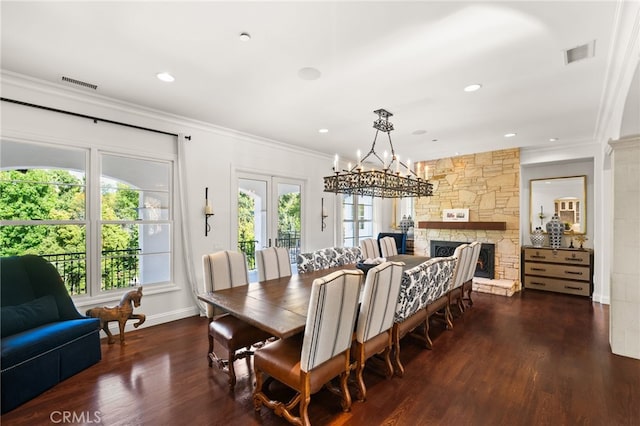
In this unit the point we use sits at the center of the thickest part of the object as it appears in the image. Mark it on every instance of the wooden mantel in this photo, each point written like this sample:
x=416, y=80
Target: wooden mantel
x=490, y=226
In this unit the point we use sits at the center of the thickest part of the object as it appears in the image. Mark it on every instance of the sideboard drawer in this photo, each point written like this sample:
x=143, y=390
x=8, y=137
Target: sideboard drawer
x=557, y=256
x=558, y=271
x=579, y=288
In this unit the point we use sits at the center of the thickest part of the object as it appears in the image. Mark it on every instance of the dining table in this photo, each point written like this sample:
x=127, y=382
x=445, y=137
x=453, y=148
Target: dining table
x=279, y=306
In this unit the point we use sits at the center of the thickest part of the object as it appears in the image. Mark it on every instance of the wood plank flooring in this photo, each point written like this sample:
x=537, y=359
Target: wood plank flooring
x=533, y=359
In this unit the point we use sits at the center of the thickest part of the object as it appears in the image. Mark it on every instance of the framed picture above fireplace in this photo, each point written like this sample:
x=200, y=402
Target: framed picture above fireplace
x=455, y=215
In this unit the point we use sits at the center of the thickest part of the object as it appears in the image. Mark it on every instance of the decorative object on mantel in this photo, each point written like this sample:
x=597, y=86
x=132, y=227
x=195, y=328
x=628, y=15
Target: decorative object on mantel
x=537, y=237
x=555, y=229
x=395, y=180
x=487, y=226
x=324, y=215
x=455, y=215
x=208, y=212
x=120, y=313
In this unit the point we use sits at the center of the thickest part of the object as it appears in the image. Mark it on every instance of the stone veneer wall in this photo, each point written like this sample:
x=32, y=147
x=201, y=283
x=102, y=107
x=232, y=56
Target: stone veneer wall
x=488, y=185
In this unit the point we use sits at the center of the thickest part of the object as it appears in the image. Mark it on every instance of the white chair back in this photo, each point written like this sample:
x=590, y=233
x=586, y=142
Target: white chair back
x=223, y=269
x=473, y=259
x=388, y=247
x=273, y=262
x=379, y=299
x=370, y=249
x=461, y=255
x=331, y=317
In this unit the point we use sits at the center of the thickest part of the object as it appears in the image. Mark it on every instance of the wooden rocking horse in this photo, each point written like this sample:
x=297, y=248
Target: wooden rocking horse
x=120, y=313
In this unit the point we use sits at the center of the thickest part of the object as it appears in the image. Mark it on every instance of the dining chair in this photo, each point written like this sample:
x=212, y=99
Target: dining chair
x=370, y=249
x=309, y=360
x=467, y=285
x=375, y=320
x=273, y=262
x=462, y=254
x=221, y=270
x=388, y=247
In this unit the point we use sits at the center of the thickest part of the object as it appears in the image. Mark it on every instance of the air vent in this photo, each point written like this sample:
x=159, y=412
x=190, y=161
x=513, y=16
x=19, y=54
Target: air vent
x=579, y=53
x=79, y=83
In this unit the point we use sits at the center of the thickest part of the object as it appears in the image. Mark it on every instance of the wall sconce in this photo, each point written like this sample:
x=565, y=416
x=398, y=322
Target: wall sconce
x=208, y=212
x=324, y=215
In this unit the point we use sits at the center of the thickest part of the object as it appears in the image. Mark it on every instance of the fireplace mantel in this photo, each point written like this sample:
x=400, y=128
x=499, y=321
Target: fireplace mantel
x=490, y=226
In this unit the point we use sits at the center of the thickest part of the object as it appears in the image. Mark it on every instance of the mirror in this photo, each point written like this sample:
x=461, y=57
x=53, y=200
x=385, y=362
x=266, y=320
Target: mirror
x=565, y=196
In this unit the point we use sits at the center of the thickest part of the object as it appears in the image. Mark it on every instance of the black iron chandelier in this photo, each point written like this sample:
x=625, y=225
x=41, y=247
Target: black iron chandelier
x=384, y=182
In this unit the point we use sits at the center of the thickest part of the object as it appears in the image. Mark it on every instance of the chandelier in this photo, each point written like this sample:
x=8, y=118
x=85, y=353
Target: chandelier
x=394, y=179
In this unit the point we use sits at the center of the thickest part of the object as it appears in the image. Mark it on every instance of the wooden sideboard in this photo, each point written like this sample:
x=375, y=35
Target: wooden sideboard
x=564, y=270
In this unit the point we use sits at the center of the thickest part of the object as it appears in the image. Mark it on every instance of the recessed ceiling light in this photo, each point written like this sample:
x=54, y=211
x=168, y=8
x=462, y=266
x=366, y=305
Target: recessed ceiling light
x=553, y=139
x=509, y=135
x=309, y=73
x=419, y=132
x=473, y=87
x=323, y=130
x=434, y=140
x=245, y=36
x=166, y=77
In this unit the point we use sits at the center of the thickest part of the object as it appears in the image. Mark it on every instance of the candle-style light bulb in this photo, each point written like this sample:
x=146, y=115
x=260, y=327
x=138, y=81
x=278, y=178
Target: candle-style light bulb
x=359, y=159
x=335, y=163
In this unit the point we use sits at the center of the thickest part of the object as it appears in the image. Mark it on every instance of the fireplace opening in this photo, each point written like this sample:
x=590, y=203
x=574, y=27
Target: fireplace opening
x=485, y=267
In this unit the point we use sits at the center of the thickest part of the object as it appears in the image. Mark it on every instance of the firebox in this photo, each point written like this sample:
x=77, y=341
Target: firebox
x=485, y=267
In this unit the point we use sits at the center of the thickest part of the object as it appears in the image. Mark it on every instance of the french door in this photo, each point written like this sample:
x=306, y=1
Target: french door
x=268, y=213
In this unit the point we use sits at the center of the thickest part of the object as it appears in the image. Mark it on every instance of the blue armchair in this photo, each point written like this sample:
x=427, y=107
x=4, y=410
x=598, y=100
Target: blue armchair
x=44, y=338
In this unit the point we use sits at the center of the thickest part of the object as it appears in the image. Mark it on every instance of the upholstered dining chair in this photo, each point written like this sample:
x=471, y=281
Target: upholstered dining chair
x=273, y=262
x=305, y=362
x=375, y=320
x=462, y=254
x=370, y=249
x=388, y=247
x=226, y=269
x=467, y=285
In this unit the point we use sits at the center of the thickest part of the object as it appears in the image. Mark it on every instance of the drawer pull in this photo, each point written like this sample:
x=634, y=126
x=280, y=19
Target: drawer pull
x=533, y=256
x=573, y=272
x=568, y=287
x=535, y=283
x=538, y=269
x=573, y=259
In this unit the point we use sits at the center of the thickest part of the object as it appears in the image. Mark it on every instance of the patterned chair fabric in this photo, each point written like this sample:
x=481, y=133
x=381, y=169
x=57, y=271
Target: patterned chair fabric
x=438, y=277
x=388, y=247
x=313, y=261
x=352, y=255
x=330, y=257
x=413, y=291
x=273, y=262
x=370, y=248
x=334, y=256
x=223, y=269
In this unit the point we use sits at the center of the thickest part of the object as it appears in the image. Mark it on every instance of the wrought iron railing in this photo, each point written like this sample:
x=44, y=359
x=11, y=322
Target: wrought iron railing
x=291, y=242
x=248, y=247
x=120, y=269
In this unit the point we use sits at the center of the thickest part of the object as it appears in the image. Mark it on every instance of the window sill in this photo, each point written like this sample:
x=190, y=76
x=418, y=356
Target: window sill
x=115, y=296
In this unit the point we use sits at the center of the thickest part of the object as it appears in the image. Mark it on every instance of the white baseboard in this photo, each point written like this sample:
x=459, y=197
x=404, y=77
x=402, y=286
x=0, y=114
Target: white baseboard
x=152, y=320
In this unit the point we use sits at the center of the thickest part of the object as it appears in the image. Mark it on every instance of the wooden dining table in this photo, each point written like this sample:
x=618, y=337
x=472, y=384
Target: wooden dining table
x=279, y=306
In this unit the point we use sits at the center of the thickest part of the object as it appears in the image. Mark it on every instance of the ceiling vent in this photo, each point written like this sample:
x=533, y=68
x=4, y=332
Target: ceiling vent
x=75, y=82
x=579, y=53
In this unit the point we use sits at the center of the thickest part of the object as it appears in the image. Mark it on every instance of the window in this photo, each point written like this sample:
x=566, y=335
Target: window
x=121, y=239
x=357, y=219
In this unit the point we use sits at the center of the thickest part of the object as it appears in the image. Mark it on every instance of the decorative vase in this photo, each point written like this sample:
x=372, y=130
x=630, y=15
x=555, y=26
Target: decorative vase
x=410, y=232
x=404, y=224
x=537, y=237
x=555, y=229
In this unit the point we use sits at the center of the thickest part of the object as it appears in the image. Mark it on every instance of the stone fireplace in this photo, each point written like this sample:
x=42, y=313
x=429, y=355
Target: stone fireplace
x=485, y=268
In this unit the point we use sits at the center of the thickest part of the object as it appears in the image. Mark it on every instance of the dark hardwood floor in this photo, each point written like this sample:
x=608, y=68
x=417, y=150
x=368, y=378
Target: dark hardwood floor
x=532, y=359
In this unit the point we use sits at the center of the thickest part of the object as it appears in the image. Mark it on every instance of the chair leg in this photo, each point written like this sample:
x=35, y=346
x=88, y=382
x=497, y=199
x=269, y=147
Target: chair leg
x=305, y=399
x=231, y=372
x=428, y=341
x=398, y=369
x=257, y=402
x=360, y=362
x=210, y=353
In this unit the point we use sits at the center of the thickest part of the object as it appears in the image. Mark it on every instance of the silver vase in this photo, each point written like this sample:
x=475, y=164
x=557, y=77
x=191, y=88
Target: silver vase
x=537, y=237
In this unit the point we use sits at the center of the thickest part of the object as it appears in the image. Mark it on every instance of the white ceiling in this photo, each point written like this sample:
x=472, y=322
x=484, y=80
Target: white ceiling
x=412, y=58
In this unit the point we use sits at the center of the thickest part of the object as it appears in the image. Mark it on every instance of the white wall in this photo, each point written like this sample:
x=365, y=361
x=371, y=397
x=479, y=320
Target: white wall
x=211, y=155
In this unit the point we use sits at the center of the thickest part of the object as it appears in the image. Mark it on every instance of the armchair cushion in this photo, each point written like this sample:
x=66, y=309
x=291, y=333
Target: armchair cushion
x=37, y=312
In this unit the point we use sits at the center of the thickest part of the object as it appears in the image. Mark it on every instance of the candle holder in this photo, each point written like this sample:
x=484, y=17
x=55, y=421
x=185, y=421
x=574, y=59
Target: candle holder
x=208, y=212
x=323, y=215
